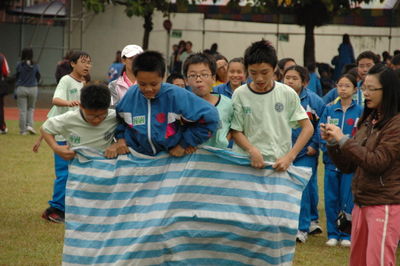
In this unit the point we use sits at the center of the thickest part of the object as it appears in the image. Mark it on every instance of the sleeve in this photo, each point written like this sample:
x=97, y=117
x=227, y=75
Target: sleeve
x=319, y=87
x=121, y=127
x=114, y=95
x=330, y=96
x=38, y=76
x=319, y=108
x=55, y=125
x=322, y=120
x=61, y=90
x=237, y=117
x=5, y=70
x=204, y=116
x=296, y=111
x=375, y=161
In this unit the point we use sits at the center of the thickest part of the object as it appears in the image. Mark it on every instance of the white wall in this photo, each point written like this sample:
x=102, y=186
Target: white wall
x=112, y=30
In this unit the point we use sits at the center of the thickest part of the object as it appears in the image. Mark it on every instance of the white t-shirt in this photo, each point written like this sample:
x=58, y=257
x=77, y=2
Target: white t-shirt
x=267, y=119
x=78, y=132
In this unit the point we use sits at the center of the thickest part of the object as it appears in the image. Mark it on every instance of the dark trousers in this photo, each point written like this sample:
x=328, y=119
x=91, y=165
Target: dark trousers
x=2, y=120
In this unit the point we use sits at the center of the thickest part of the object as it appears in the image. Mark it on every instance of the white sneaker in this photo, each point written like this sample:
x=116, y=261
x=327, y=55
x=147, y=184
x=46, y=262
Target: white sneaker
x=301, y=236
x=345, y=243
x=331, y=242
x=4, y=131
x=31, y=130
x=314, y=228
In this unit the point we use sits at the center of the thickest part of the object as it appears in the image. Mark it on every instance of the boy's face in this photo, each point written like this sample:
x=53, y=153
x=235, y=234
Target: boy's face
x=93, y=116
x=262, y=75
x=179, y=83
x=364, y=65
x=82, y=66
x=149, y=83
x=200, y=79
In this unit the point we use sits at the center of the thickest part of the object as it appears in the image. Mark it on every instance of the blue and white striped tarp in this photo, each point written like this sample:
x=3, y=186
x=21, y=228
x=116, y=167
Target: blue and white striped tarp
x=208, y=208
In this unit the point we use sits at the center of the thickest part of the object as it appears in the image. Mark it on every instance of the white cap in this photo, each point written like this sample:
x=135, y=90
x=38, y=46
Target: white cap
x=131, y=50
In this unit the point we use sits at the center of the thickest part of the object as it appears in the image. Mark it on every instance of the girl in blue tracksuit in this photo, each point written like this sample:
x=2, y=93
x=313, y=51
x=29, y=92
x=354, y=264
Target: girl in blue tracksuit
x=297, y=77
x=158, y=116
x=236, y=77
x=344, y=114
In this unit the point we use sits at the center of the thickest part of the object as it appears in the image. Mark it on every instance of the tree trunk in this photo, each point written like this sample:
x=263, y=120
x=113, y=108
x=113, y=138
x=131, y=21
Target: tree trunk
x=309, y=45
x=148, y=27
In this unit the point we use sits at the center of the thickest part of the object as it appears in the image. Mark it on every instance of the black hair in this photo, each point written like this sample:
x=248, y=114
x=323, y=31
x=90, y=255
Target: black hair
x=189, y=42
x=260, y=52
x=311, y=66
x=303, y=72
x=220, y=57
x=347, y=67
x=353, y=71
x=350, y=77
x=346, y=38
x=396, y=52
x=78, y=54
x=200, y=58
x=236, y=60
x=118, y=57
x=149, y=61
x=95, y=96
x=27, y=54
x=396, y=60
x=390, y=105
x=174, y=76
x=283, y=61
x=368, y=54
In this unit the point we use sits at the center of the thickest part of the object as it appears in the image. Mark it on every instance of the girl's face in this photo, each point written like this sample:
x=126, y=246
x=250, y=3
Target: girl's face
x=236, y=74
x=128, y=61
x=373, y=93
x=293, y=79
x=345, y=88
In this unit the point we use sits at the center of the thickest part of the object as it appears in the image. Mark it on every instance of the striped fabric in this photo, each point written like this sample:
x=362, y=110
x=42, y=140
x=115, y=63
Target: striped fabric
x=209, y=208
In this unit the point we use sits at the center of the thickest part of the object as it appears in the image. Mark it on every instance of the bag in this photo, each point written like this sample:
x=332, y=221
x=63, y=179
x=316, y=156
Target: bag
x=343, y=222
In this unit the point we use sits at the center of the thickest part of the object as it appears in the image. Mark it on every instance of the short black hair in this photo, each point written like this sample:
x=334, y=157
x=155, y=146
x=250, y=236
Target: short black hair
x=396, y=60
x=149, y=61
x=368, y=54
x=174, y=76
x=350, y=77
x=78, y=54
x=200, y=58
x=27, y=54
x=236, y=60
x=95, y=96
x=260, y=52
x=303, y=72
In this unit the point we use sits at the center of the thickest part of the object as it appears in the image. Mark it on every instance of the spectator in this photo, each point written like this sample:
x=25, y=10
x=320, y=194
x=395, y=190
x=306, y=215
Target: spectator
x=115, y=70
x=64, y=66
x=4, y=72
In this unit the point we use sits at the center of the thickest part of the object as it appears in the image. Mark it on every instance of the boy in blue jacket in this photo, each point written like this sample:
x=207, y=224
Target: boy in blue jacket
x=156, y=116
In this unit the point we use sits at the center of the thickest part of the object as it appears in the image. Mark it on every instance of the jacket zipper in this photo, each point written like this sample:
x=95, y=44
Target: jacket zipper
x=149, y=126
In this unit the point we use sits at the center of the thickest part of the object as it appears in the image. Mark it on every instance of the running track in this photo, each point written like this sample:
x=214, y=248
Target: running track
x=11, y=113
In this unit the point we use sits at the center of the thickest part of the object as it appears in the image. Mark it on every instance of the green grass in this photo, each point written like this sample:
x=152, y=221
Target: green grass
x=26, y=180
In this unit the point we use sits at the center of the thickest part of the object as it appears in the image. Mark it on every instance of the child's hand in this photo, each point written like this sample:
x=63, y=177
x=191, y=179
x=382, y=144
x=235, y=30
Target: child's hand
x=311, y=151
x=121, y=146
x=177, y=151
x=111, y=152
x=36, y=146
x=73, y=103
x=64, y=152
x=190, y=150
x=257, y=160
x=282, y=164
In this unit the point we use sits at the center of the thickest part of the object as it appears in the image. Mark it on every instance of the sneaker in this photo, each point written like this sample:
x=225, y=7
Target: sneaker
x=31, y=130
x=315, y=228
x=23, y=133
x=53, y=215
x=301, y=236
x=4, y=131
x=331, y=242
x=345, y=243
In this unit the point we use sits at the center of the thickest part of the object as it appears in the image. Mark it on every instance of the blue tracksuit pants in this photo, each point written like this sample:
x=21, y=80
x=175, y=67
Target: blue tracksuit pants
x=338, y=196
x=61, y=169
x=306, y=204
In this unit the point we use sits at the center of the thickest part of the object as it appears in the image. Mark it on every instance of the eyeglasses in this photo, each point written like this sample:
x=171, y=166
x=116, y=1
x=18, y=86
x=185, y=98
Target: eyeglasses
x=202, y=76
x=92, y=117
x=370, y=89
x=346, y=86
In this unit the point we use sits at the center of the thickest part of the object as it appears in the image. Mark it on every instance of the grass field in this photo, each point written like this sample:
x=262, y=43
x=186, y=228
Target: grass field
x=26, y=182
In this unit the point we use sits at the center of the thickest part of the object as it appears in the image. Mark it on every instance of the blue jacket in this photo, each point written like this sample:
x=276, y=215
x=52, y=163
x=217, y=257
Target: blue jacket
x=28, y=75
x=175, y=116
x=347, y=121
x=224, y=89
x=315, y=84
x=314, y=107
x=332, y=95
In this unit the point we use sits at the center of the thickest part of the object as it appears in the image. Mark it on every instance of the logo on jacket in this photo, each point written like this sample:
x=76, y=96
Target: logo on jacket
x=279, y=107
x=138, y=120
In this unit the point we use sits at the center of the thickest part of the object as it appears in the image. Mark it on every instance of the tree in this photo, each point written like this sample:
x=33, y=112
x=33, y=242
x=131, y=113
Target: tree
x=309, y=13
x=141, y=8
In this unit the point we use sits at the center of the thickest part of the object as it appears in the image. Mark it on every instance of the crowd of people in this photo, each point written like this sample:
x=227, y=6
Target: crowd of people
x=271, y=110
